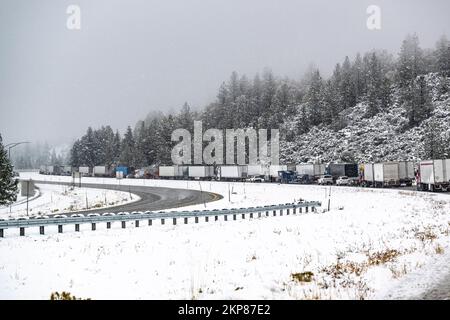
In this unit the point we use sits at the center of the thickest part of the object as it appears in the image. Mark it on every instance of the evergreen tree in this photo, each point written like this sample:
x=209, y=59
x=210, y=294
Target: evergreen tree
x=141, y=145
x=442, y=56
x=358, y=78
x=347, y=91
x=374, y=85
x=116, y=147
x=433, y=143
x=8, y=185
x=127, y=150
x=418, y=103
x=411, y=61
x=314, y=99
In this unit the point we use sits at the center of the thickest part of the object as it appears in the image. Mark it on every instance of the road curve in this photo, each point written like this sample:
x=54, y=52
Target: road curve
x=152, y=198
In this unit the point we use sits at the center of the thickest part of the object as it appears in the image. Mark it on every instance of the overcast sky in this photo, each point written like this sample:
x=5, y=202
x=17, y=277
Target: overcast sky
x=131, y=56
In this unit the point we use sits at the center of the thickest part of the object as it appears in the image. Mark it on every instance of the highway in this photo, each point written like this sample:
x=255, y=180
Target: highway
x=152, y=198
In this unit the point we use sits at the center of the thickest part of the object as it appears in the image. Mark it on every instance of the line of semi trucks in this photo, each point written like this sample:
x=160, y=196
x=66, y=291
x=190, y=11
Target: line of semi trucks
x=428, y=175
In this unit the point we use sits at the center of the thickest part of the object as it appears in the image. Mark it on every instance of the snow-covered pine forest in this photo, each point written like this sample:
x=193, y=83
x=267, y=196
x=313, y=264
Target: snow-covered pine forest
x=375, y=106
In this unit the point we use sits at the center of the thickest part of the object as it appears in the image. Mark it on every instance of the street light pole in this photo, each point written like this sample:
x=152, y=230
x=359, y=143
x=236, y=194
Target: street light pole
x=12, y=145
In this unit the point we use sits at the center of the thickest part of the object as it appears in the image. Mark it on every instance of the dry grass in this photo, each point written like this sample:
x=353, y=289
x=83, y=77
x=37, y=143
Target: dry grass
x=382, y=257
x=439, y=249
x=65, y=296
x=302, y=276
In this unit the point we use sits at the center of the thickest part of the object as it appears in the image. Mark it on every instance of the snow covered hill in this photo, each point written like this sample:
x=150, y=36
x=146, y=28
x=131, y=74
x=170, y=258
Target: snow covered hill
x=386, y=136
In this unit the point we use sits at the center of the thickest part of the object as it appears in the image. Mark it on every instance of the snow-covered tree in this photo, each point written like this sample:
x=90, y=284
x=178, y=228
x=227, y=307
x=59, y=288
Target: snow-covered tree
x=8, y=185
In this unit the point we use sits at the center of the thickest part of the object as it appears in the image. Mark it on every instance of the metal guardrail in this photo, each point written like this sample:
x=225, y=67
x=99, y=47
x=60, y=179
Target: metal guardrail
x=151, y=215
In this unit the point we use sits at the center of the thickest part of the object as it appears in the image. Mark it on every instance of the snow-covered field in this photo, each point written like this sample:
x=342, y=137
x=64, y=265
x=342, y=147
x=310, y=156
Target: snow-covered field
x=371, y=244
x=53, y=199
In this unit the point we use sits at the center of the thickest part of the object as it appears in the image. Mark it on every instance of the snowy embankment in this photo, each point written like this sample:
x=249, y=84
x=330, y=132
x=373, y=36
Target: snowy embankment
x=55, y=199
x=371, y=244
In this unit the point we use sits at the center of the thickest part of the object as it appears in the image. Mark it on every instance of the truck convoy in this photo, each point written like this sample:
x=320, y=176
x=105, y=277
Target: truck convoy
x=431, y=175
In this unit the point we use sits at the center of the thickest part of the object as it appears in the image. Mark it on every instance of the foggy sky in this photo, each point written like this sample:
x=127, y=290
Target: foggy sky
x=131, y=57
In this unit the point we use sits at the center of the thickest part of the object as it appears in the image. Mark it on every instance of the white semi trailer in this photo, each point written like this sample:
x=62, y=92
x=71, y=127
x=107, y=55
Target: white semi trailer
x=434, y=175
x=101, y=171
x=84, y=171
x=386, y=174
x=167, y=172
x=367, y=174
x=233, y=172
x=311, y=169
x=201, y=172
x=406, y=172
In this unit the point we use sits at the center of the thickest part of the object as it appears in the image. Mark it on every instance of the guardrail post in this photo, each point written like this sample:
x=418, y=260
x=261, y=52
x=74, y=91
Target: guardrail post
x=287, y=211
x=1, y=233
x=206, y=218
x=41, y=230
x=108, y=225
x=136, y=223
x=234, y=217
x=185, y=220
x=77, y=227
x=124, y=224
x=174, y=221
x=267, y=213
x=150, y=222
x=300, y=209
x=243, y=216
x=216, y=218
x=196, y=219
x=93, y=226
x=225, y=218
x=281, y=212
x=259, y=214
x=274, y=213
x=294, y=211
x=306, y=209
x=251, y=215
x=22, y=231
x=163, y=221
x=60, y=228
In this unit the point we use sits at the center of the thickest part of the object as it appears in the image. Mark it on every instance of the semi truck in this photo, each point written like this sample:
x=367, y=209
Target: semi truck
x=101, y=171
x=167, y=172
x=406, y=172
x=181, y=172
x=311, y=169
x=367, y=178
x=273, y=171
x=434, y=175
x=85, y=171
x=235, y=173
x=201, y=172
x=386, y=174
x=121, y=172
x=343, y=169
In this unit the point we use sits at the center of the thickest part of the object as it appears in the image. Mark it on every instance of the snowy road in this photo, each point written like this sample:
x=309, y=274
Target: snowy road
x=152, y=198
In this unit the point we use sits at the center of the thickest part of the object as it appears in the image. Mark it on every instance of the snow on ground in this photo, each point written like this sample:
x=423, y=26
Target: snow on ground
x=52, y=199
x=371, y=244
